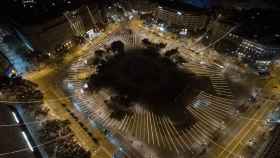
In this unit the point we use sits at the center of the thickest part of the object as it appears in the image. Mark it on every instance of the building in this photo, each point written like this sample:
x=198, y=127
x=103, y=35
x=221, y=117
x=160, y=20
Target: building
x=6, y=68
x=29, y=3
x=191, y=20
x=76, y=23
x=56, y=33
x=140, y=6
x=231, y=42
x=257, y=51
x=49, y=36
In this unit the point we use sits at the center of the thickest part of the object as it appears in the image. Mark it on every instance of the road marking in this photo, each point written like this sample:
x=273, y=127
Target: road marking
x=241, y=131
x=251, y=126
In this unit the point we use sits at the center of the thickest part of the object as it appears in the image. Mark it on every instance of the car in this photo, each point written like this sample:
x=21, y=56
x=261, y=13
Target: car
x=252, y=142
x=267, y=121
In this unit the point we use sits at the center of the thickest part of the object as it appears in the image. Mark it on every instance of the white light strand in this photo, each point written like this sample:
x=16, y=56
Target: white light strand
x=35, y=146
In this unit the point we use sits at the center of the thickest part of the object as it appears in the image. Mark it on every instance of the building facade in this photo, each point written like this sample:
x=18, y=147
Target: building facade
x=29, y=3
x=59, y=32
x=191, y=20
x=50, y=35
x=236, y=45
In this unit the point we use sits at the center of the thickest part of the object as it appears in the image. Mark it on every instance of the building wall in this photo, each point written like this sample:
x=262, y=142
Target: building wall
x=244, y=47
x=47, y=36
x=88, y=16
x=256, y=50
x=191, y=20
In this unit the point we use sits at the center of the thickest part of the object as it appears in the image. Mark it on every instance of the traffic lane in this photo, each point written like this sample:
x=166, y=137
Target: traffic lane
x=57, y=109
x=54, y=98
x=11, y=137
x=236, y=126
x=244, y=131
x=252, y=130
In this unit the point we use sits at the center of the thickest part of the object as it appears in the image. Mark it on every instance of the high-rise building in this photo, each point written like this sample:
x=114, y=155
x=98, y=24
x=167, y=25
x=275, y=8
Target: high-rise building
x=191, y=20
x=29, y=3
x=50, y=35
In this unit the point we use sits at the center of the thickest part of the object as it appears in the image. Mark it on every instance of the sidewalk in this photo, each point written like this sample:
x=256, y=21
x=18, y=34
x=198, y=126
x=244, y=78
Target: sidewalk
x=57, y=110
x=56, y=100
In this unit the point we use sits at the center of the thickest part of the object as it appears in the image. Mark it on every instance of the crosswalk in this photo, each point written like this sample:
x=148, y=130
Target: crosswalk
x=215, y=74
x=210, y=111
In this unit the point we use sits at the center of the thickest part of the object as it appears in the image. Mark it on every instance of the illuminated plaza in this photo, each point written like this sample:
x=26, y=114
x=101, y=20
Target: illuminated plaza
x=140, y=79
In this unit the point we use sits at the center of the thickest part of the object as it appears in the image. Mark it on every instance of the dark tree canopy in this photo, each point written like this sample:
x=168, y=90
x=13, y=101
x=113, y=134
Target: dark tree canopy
x=171, y=52
x=145, y=76
x=147, y=43
x=65, y=146
x=117, y=46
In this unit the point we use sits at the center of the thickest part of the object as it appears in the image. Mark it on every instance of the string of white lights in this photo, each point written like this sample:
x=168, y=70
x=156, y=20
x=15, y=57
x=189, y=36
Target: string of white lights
x=36, y=101
x=22, y=124
x=35, y=146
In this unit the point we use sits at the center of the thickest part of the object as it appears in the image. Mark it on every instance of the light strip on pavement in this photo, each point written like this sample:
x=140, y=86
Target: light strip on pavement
x=15, y=117
x=27, y=141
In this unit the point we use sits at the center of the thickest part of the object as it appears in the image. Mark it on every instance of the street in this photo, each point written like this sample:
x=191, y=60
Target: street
x=244, y=126
x=48, y=79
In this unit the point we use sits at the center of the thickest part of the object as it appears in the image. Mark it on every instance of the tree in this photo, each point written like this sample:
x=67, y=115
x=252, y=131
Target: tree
x=20, y=90
x=65, y=145
x=146, y=42
x=117, y=46
x=120, y=106
x=171, y=52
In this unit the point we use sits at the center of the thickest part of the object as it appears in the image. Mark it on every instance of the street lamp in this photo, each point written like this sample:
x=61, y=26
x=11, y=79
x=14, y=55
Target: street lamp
x=161, y=29
x=15, y=117
x=85, y=85
x=27, y=141
x=82, y=91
